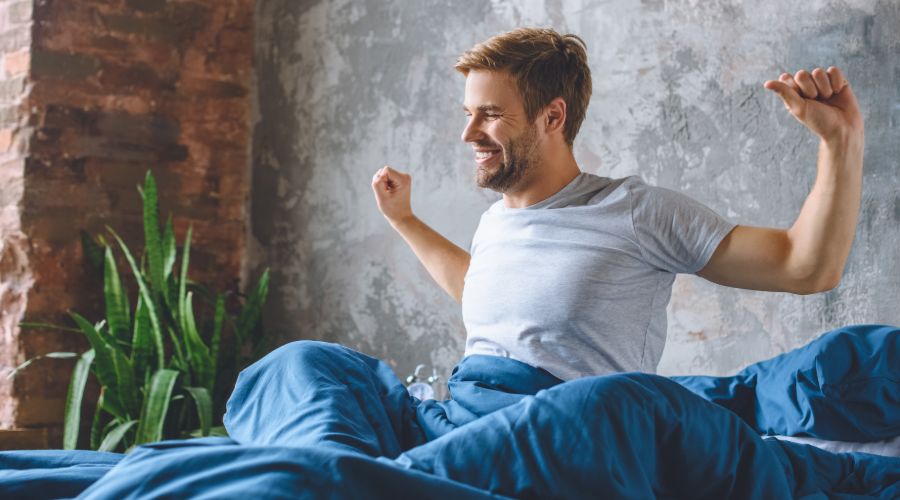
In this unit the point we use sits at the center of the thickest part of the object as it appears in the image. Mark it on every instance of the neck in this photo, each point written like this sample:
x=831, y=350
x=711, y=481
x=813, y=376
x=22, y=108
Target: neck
x=545, y=180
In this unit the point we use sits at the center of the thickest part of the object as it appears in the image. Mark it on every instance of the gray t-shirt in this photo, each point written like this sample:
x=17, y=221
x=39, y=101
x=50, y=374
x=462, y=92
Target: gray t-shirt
x=577, y=284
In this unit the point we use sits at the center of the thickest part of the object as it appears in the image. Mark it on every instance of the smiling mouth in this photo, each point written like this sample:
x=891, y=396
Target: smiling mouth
x=482, y=157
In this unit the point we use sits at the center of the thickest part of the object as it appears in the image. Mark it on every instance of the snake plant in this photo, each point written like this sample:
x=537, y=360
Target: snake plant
x=158, y=364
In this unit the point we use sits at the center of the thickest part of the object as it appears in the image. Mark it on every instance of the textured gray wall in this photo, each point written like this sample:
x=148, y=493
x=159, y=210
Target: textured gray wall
x=345, y=87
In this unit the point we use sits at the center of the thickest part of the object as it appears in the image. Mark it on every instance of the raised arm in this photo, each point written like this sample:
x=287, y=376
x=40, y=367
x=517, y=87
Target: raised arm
x=810, y=256
x=445, y=262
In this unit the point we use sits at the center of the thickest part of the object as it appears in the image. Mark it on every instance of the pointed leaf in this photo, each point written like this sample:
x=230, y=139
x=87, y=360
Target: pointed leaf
x=156, y=405
x=117, y=307
x=198, y=354
x=112, y=368
x=73, y=400
x=48, y=326
x=142, y=342
x=28, y=362
x=179, y=359
x=114, y=437
x=168, y=246
x=104, y=366
x=203, y=403
x=170, y=288
x=152, y=240
x=97, y=423
x=149, y=303
x=182, y=280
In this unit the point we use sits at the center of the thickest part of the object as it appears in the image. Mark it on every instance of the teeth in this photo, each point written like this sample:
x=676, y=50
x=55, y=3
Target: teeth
x=483, y=154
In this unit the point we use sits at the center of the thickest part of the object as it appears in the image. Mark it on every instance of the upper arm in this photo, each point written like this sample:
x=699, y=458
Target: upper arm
x=759, y=258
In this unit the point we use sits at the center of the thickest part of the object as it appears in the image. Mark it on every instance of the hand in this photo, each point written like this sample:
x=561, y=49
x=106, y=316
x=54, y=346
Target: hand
x=392, y=193
x=822, y=101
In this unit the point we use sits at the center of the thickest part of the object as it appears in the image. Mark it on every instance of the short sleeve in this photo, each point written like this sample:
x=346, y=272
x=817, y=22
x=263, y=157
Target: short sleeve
x=675, y=233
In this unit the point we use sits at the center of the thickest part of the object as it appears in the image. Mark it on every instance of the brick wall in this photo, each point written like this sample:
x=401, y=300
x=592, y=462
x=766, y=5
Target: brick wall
x=113, y=88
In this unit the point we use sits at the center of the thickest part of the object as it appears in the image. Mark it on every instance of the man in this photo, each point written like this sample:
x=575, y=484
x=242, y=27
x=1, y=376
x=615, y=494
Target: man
x=571, y=272
x=568, y=278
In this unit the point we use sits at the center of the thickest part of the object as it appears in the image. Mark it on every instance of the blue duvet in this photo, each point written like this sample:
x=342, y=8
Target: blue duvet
x=317, y=420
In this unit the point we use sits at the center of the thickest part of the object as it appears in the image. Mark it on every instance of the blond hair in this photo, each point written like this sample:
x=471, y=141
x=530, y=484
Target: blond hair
x=544, y=64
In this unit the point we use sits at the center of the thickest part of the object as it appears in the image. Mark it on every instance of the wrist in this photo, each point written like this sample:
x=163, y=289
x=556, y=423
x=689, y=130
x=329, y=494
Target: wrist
x=845, y=141
x=402, y=222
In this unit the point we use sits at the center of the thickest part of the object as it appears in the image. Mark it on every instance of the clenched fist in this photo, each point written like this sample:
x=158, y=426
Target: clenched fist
x=392, y=192
x=822, y=101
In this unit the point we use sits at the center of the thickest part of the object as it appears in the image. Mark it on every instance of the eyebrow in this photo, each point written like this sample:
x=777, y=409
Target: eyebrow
x=485, y=108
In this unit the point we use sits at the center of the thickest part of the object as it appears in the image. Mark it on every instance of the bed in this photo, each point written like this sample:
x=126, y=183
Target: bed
x=317, y=420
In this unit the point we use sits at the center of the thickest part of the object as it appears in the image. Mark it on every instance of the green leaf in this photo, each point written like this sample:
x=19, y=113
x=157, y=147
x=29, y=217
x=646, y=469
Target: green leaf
x=156, y=405
x=168, y=246
x=198, y=354
x=142, y=341
x=153, y=247
x=182, y=281
x=114, y=437
x=104, y=366
x=217, y=431
x=170, y=287
x=73, y=400
x=58, y=355
x=117, y=307
x=179, y=361
x=48, y=326
x=149, y=303
x=97, y=423
x=113, y=370
x=91, y=250
x=204, y=405
x=252, y=309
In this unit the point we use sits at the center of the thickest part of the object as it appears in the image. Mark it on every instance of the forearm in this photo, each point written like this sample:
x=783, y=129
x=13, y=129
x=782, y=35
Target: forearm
x=445, y=262
x=822, y=235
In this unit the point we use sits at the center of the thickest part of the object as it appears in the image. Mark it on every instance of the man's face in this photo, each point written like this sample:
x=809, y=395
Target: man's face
x=505, y=143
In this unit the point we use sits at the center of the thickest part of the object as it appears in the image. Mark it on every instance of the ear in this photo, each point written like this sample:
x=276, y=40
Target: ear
x=555, y=116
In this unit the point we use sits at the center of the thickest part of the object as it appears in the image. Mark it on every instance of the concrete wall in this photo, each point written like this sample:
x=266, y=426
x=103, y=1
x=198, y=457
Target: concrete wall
x=345, y=87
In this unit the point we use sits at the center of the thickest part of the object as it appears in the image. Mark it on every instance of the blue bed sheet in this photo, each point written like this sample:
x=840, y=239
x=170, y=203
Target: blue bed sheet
x=317, y=420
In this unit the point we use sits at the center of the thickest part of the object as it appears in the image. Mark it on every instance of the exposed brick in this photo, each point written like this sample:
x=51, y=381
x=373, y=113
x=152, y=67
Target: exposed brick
x=23, y=439
x=117, y=88
x=146, y=5
x=16, y=63
x=213, y=89
x=46, y=64
x=179, y=25
x=137, y=74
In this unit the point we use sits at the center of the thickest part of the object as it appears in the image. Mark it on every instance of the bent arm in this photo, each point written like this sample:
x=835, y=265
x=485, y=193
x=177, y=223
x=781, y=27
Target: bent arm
x=811, y=255
x=445, y=262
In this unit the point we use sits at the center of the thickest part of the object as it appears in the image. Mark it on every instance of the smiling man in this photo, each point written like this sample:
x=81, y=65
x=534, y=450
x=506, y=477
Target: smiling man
x=566, y=285
x=571, y=272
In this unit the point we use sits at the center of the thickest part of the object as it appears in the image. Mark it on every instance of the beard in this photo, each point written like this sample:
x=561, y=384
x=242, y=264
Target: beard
x=519, y=158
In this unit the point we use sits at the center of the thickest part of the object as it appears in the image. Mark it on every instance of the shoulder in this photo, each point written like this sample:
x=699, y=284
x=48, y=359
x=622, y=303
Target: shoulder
x=643, y=194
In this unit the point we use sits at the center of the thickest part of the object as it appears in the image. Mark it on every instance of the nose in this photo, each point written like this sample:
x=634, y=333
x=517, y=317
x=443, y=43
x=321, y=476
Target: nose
x=472, y=130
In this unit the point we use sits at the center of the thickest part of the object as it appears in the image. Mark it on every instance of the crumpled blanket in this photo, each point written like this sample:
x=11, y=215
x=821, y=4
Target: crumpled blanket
x=318, y=420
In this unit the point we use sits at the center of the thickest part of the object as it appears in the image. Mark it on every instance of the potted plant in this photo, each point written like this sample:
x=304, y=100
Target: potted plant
x=157, y=364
